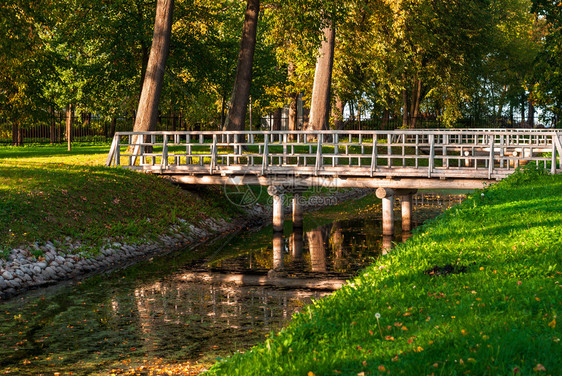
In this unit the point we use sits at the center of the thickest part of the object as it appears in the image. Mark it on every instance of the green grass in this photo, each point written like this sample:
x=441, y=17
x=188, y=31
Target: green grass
x=496, y=315
x=49, y=194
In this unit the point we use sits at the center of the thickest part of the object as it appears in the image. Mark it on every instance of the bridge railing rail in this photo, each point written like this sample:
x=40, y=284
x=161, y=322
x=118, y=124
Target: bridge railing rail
x=489, y=154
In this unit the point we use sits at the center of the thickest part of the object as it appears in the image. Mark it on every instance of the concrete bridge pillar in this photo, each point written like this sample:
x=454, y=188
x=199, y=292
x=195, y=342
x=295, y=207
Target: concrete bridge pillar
x=277, y=195
x=387, y=197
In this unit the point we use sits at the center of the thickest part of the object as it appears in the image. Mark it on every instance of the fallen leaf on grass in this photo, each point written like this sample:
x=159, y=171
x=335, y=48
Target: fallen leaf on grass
x=539, y=368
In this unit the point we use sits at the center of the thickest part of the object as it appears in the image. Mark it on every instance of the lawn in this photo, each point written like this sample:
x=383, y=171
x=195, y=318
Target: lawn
x=50, y=194
x=476, y=291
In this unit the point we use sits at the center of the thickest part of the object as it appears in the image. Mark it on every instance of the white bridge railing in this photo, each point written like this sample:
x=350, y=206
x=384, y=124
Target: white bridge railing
x=454, y=153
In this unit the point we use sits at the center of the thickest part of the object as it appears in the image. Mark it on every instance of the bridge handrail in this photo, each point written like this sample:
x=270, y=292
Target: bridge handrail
x=352, y=132
x=496, y=151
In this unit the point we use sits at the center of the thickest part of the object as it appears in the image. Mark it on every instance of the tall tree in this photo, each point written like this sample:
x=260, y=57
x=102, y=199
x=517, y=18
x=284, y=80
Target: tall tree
x=320, y=102
x=243, y=79
x=147, y=113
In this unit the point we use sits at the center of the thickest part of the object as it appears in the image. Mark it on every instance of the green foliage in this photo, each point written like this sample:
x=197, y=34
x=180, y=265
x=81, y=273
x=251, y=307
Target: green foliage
x=473, y=58
x=496, y=313
x=548, y=75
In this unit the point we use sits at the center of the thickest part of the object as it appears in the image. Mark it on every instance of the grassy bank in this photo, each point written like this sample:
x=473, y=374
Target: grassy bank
x=50, y=194
x=477, y=291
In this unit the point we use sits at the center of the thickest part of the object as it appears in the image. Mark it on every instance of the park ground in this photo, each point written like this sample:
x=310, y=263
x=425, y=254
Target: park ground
x=475, y=291
x=48, y=194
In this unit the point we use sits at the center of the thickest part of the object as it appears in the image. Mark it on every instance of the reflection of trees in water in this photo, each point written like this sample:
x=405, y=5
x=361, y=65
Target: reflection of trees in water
x=316, y=246
x=336, y=245
x=437, y=201
x=202, y=310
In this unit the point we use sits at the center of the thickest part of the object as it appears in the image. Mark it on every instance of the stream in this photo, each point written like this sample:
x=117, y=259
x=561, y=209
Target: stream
x=198, y=304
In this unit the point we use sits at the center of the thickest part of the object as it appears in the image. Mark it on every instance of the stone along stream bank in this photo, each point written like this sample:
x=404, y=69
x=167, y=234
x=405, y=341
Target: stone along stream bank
x=41, y=265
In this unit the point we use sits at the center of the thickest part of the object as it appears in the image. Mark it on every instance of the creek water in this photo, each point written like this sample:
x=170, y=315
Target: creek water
x=197, y=304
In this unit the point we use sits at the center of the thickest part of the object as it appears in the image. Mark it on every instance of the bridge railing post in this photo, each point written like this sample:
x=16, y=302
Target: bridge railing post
x=265, y=157
x=491, y=159
x=164, y=162
x=556, y=153
x=374, y=154
x=431, y=162
x=318, y=164
x=214, y=154
x=111, y=157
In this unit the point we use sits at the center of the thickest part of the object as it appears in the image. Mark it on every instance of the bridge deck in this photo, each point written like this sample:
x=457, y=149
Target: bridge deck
x=402, y=158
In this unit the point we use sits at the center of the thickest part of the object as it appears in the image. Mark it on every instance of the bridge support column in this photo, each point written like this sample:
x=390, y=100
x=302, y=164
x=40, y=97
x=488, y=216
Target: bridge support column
x=406, y=206
x=387, y=196
x=297, y=210
x=277, y=195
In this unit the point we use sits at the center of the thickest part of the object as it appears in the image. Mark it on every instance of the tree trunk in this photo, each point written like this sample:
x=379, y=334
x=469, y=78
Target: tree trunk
x=15, y=129
x=20, y=136
x=277, y=119
x=277, y=114
x=359, y=114
x=305, y=117
x=522, y=111
x=174, y=121
x=147, y=113
x=531, y=115
x=293, y=107
x=320, y=102
x=242, y=82
x=52, y=135
x=112, y=127
x=337, y=113
x=69, y=121
x=293, y=121
x=385, y=118
x=404, y=104
x=223, y=108
x=416, y=103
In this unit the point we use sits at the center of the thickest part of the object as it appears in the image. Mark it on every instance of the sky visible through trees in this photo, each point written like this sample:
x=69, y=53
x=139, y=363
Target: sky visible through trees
x=402, y=59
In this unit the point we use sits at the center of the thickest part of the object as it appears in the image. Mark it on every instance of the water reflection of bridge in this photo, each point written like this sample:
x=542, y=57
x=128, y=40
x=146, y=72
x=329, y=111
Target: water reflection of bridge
x=260, y=290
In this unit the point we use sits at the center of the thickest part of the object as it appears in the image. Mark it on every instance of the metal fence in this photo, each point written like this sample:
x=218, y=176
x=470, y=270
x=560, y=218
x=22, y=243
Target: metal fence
x=85, y=129
x=95, y=129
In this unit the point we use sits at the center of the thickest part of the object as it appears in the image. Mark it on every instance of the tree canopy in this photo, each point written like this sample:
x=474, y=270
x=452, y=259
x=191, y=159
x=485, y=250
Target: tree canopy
x=406, y=59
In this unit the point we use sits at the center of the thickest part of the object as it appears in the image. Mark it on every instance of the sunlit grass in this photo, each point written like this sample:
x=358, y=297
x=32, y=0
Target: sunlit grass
x=497, y=313
x=49, y=194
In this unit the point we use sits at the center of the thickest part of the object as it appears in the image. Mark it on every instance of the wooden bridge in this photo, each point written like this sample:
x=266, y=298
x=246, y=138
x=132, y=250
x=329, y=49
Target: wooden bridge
x=395, y=162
